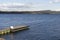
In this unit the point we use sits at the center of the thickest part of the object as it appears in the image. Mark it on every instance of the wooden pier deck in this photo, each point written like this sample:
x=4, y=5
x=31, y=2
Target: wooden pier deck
x=15, y=28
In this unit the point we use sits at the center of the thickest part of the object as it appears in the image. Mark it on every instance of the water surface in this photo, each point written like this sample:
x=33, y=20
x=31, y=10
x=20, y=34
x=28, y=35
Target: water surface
x=42, y=26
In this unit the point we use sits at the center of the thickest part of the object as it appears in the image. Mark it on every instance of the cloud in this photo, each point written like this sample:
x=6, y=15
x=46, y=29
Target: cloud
x=57, y=9
x=14, y=6
x=54, y=1
x=57, y=1
x=50, y=2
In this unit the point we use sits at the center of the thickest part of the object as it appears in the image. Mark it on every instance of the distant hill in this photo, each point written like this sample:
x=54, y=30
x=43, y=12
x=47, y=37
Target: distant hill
x=33, y=12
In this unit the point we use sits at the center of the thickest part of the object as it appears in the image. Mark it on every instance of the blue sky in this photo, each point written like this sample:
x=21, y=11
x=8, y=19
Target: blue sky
x=23, y=5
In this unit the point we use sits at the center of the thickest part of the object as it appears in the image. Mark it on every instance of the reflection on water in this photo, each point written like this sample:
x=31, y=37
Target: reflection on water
x=42, y=26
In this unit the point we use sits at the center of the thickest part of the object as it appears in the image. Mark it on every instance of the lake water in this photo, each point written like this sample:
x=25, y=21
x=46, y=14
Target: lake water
x=42, y=26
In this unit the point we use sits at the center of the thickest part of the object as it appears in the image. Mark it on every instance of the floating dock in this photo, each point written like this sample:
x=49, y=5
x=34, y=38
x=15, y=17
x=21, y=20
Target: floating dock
x=13, y=29
x=2, y=39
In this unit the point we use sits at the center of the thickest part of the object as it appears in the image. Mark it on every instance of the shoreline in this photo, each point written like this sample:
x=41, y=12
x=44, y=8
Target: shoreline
x=30, y=12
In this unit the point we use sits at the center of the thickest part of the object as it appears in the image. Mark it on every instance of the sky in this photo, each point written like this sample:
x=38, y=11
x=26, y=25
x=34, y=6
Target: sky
x=29, y=5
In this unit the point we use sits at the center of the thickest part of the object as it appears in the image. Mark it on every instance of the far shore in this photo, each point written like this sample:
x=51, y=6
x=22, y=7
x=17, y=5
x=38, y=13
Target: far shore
x=30, y=12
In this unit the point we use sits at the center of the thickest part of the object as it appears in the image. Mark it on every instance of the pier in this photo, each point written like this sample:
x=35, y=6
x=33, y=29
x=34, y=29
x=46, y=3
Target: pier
x=2, y=39
x=13, y=29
